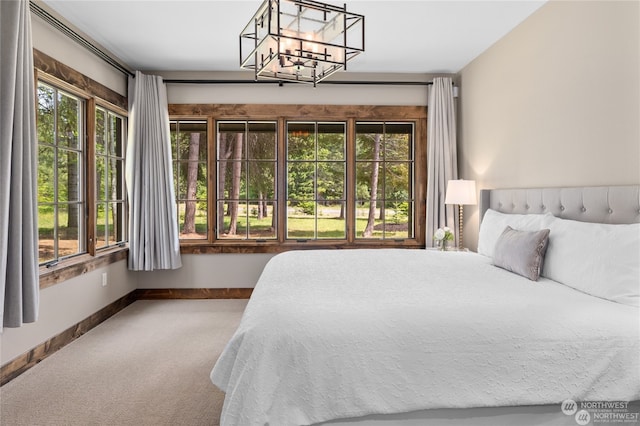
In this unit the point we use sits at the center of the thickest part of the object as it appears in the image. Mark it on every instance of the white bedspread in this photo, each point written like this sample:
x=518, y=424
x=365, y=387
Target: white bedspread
x=346, y=333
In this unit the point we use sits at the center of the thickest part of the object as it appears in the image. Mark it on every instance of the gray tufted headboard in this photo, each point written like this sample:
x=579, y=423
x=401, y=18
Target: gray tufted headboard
x=601, y=204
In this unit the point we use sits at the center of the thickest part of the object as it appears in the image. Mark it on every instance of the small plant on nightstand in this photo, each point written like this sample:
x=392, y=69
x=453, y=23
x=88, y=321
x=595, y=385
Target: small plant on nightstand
x=442, y=236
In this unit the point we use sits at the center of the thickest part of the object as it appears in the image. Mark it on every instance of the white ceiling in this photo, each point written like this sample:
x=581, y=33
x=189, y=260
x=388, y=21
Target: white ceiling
x=401, y=36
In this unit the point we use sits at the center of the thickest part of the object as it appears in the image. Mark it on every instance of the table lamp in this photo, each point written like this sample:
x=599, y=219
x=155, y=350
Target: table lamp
x=461, y=192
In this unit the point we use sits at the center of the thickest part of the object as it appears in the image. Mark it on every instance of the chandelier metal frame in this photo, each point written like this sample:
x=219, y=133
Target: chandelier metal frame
x=300, y=40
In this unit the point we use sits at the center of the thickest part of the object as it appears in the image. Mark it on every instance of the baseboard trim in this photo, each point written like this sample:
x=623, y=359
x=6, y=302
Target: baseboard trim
x=192, y=293
x=22, y=363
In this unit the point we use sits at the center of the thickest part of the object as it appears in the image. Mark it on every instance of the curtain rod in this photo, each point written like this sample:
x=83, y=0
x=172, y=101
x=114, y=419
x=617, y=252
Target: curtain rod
x=281, y=82
x=63, y=28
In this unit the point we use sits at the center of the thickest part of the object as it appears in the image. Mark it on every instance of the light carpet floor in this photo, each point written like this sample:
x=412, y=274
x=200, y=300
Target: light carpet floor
x=147, y=365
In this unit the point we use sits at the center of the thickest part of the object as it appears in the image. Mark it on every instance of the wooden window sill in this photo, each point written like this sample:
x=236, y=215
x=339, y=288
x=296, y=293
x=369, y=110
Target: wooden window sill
x=277, y=247
x=79, y=265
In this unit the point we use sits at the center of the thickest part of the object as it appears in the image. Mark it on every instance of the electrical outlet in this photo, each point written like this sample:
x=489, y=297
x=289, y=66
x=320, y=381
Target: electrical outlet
x=104, y=279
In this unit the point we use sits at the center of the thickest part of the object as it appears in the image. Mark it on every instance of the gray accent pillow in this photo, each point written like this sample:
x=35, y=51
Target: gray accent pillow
x=521, y=252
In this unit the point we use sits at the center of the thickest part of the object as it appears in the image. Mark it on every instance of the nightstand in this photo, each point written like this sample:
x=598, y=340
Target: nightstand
x=452, y=249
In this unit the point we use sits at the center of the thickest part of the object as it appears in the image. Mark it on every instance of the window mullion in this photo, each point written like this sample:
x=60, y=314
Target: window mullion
x=212, y=180
x=315, y=183
x=245, y=175
x=90, y=170
x=281, y=171
x=82, y=180
x=350, y=180
x=56, y=173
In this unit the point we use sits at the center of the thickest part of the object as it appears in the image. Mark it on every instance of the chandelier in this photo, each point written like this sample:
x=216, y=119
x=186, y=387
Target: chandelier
x=300, y=40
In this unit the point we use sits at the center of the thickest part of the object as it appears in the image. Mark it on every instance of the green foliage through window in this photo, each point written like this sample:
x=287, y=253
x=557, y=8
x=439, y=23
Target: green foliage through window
x=311, y=203
x=384, y=177
x=190, y=156
x=61, y=201
x=246, y=175
x=316, y=174
x=111, y=214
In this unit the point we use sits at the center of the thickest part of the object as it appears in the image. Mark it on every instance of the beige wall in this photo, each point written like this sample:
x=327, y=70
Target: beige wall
x=57, y=45
x=291, y=93
x=220, y=270
x=64, y=305
x=555, y=102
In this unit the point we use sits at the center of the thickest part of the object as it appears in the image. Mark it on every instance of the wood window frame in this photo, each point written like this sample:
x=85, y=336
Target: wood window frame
x=350, y=114
x=91, y=172
x=315, y=162
x=61, y=88
x=245, y=161
x=54, y=73
x=384, y=163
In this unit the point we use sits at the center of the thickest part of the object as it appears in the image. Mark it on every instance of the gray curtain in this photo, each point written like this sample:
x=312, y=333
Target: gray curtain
x=153, y=227
x=442, y=161
x=19, y=290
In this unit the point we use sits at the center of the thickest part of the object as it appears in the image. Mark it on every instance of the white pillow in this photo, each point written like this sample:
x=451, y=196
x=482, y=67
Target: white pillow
x=494, y=223
x=599, y=259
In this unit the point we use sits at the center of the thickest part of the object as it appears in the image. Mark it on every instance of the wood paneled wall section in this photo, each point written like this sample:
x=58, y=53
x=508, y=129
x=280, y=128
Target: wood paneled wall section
x=78, y=266
x=293, y=112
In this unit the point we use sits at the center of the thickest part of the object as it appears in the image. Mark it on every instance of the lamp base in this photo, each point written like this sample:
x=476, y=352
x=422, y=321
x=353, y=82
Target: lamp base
x=460, y=220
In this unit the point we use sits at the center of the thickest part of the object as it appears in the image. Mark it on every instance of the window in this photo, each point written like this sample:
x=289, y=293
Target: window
x=61, y=199
x=283, y=176
x=316, y=170
x=189, y=147
x=81, y=200
x=246, y=173
x=111, y=227
x=81, y=129
x=384, y=176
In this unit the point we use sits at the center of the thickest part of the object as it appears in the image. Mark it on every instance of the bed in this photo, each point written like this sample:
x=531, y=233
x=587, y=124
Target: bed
x=414, y=337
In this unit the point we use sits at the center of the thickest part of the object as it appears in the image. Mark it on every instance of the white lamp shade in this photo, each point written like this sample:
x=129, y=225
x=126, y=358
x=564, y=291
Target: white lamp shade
x=462, y=192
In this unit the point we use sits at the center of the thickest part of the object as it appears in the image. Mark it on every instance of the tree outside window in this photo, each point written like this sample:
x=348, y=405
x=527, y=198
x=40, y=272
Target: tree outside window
x=61, y=201
x=189, y=150
x=316, y=170
x=384, y=176
x=294, y=176
x=246, y=180
x=111, y=213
